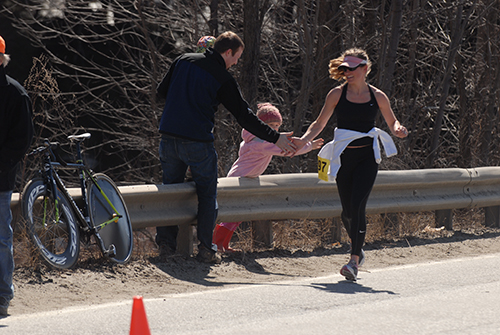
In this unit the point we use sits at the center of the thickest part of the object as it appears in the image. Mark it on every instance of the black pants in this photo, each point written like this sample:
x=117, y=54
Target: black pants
x=355, y=181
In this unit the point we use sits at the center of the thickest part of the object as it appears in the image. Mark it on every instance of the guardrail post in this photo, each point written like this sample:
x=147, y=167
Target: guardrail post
x=444, y=218
x=336, y=229
x=262, y=233
x=16, y=223
x=185, y=239
x=492, y=216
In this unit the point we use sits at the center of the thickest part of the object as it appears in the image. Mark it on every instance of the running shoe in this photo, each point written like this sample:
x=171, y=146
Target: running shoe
x=350, y=271
x=361, y=260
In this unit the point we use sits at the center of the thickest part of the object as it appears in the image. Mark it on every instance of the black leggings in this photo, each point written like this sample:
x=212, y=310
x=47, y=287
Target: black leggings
x=355, y=181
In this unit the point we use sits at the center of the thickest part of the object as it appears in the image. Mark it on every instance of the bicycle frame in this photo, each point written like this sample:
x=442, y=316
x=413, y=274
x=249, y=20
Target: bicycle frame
x=54, y=181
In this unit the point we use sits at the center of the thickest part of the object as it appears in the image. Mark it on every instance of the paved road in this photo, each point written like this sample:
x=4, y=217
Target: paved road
x=460, y=296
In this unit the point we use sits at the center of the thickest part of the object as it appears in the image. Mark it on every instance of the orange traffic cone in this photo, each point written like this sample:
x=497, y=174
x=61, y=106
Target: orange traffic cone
x=139, y=324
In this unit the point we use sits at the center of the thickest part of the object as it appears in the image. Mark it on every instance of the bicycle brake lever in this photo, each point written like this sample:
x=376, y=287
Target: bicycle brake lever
x=46, y=145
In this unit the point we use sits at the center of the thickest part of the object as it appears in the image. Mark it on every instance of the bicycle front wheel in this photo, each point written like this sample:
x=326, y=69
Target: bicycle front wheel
x=115, y=234
x=51, y=224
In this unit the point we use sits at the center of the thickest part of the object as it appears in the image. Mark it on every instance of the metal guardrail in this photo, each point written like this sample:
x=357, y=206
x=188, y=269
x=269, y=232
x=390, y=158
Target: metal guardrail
x=304, y=196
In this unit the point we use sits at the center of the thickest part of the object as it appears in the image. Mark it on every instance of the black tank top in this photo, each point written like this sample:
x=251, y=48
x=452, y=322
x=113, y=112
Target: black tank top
x=357, y=116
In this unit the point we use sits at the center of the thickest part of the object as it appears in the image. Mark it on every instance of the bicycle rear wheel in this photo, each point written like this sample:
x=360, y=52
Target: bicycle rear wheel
x=119, y=233
x=51, y=224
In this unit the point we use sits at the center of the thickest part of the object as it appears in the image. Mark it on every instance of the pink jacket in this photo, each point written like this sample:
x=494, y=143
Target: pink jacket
x=255, y=155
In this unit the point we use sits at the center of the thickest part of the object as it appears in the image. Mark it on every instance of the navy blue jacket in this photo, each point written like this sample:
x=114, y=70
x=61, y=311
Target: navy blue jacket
x=193, y=88
x=16, y=128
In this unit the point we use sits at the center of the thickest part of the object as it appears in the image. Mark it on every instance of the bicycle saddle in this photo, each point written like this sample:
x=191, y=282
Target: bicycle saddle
x=80, y=137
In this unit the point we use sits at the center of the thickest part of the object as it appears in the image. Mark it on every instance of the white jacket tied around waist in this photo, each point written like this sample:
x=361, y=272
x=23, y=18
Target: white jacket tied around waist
x=330, y=153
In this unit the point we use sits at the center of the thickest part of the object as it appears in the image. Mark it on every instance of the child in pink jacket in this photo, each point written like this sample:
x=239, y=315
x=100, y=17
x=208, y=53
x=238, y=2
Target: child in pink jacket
x=254, y=157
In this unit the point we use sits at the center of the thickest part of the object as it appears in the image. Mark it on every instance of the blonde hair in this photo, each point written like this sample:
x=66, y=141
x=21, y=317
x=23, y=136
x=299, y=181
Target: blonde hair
x=333, y=67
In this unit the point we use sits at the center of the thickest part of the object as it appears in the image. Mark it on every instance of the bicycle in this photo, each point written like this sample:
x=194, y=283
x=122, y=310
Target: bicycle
x=57, y=225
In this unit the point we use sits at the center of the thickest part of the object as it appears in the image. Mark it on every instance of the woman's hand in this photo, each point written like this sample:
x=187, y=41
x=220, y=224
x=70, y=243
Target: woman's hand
x=317, y=143
x=399, y=130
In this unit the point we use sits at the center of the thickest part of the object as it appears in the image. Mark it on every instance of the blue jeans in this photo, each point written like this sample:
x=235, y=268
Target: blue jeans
x=176, y=155
x=6, y=251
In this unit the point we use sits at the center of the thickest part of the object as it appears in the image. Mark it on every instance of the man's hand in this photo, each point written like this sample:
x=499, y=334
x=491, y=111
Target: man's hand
x=285, y=144
x=299, y=142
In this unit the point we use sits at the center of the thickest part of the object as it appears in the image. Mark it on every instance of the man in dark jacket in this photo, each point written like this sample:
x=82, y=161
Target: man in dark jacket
x=16, y=132
x=193, y=88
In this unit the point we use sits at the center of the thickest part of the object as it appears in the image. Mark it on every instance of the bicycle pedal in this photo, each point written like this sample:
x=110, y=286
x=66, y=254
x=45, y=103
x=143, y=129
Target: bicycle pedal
x=111, y=252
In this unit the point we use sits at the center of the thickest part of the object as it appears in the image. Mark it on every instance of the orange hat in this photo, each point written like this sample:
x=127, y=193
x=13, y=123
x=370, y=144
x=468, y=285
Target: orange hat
x=2, y=45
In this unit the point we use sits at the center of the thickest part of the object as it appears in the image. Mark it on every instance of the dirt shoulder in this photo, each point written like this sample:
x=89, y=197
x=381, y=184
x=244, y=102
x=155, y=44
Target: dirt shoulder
x=97, y=281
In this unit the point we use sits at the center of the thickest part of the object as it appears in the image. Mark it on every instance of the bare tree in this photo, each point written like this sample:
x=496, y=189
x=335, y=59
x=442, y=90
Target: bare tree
x=456, y=37
x=438, y=62
x=109, y=57
x=254, y=12
x=389, y=56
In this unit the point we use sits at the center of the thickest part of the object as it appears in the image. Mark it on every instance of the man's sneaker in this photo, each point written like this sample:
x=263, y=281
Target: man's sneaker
x=4, y=306
x=350, y=271
x=208, y=256
x=361, y=260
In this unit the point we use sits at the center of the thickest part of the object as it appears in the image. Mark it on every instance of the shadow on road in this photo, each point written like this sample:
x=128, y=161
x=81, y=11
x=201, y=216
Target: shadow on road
x=348, y=287
x=185, y=269
x=190, y=270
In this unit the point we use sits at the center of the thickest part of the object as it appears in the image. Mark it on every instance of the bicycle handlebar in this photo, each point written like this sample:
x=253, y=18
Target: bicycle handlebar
x=53, y=148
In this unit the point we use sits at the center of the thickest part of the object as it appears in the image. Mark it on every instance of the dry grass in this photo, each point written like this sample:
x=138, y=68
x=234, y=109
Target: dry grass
x=311, y=234
x=291, y=235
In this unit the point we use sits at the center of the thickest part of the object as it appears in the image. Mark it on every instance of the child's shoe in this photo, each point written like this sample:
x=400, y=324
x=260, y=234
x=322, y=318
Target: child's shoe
x=221, y=237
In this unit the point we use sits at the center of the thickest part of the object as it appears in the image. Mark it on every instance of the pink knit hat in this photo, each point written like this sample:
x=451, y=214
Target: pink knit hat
x=204, y=43
x=268, y=113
